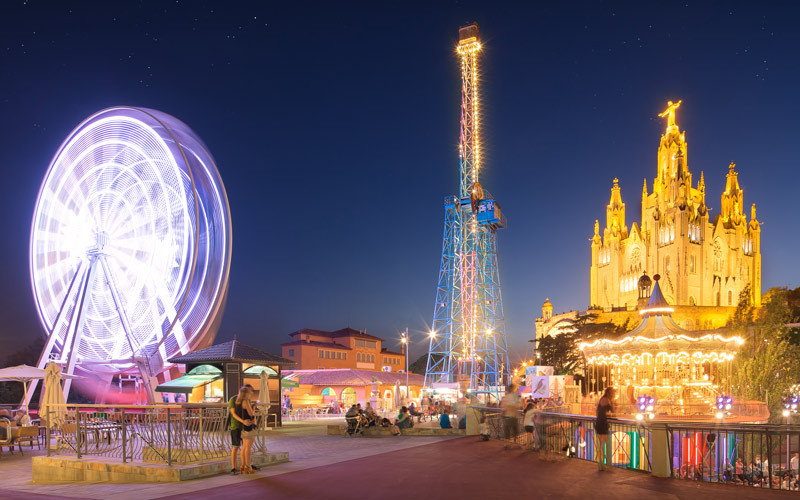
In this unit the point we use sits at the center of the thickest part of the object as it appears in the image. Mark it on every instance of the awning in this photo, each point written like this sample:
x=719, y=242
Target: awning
x=285, y=382
x=186, y=383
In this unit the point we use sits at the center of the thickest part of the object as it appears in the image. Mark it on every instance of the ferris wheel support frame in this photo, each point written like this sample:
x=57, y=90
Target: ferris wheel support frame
x=75, y=329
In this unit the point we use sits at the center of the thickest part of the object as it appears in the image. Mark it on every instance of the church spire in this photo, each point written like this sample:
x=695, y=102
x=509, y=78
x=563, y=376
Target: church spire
x=615, y=212
x=732, y=198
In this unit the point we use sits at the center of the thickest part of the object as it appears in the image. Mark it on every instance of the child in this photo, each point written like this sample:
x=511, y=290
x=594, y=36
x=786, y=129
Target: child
x=484, y=430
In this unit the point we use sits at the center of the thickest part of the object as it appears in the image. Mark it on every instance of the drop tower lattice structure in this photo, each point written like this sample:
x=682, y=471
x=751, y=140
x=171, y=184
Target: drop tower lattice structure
x=468, y=342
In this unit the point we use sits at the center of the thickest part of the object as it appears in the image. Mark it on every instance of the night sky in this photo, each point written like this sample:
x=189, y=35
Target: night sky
x=335, y=125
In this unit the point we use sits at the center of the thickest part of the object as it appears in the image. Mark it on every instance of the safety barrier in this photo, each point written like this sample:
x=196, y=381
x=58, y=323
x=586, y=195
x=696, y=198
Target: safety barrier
x=170, y=434
x=629, y=441
x=763, y=456
x=757, y=455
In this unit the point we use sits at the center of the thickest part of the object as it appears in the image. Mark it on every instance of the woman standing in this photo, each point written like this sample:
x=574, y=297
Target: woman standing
x=246, y=415
x=604, y=409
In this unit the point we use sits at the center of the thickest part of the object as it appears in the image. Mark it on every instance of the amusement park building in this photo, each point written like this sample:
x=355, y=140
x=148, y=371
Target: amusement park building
x=702, y=262
x=346, y=348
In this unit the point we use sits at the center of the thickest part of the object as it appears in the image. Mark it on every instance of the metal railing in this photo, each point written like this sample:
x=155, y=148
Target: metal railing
x=757, y=455
x=629, y=442
x=754, y=411
x=751, y=455
x=173, y=434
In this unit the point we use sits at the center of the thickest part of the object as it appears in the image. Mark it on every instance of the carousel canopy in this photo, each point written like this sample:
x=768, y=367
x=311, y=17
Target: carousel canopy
x=659, y=335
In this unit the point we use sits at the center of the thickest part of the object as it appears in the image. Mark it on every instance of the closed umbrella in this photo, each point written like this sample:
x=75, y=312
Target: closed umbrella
x=397, y=394
x=263, y=394
x=53, y=395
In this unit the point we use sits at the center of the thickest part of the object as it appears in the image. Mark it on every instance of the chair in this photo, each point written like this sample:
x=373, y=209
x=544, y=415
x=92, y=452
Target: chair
x=68, y=434
x=28, y=435
x=5, y=435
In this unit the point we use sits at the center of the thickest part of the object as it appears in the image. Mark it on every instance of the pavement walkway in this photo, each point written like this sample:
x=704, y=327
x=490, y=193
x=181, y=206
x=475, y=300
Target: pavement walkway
x=331, y=467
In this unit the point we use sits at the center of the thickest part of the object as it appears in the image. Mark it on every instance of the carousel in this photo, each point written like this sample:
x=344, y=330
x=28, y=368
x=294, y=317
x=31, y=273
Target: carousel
x=662, y=371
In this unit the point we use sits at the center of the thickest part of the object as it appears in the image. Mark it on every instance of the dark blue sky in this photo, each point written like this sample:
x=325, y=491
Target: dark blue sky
x=335, y=127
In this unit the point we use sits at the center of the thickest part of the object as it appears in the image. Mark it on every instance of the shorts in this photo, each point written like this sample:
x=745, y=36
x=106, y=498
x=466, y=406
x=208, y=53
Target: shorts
x=529, y=429
x=236, y=437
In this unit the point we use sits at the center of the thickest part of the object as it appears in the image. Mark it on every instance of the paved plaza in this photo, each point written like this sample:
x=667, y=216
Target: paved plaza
x=334, y=467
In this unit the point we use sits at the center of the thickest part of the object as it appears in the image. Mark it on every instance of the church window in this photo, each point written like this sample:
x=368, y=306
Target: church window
x=730, y=298
x=666, y=263
x=672, y=233
x=718, y=299
x=692, y=264
x=661, y=236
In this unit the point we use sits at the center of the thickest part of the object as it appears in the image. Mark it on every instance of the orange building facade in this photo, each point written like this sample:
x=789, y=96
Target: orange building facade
x=346, y=348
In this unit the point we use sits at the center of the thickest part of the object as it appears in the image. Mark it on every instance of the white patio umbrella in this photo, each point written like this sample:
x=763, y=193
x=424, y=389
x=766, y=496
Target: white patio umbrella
x=53, y=395
x=24, y=374
x=397, y=394
x=263, y=395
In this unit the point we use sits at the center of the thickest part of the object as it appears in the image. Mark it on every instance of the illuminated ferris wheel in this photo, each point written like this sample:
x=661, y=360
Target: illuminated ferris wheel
x=130, y=245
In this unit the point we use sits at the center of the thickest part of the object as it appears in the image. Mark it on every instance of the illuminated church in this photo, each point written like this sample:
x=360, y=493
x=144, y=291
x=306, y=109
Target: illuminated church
x=701, y=261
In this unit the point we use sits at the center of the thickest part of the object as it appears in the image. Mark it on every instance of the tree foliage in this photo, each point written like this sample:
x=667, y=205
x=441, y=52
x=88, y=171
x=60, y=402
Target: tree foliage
x=11, y=392
x=561, y=351
x=768, y=362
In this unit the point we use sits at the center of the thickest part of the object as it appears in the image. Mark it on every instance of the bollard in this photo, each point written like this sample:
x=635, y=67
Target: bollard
x=660, y=461
x=473, y=421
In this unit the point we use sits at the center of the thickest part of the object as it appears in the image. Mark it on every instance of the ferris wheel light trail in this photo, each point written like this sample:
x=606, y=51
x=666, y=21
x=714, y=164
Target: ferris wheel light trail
x=130, y=245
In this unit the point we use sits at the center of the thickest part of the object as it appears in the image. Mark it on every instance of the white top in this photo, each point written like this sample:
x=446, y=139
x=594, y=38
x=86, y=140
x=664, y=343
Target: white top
x=528, y=418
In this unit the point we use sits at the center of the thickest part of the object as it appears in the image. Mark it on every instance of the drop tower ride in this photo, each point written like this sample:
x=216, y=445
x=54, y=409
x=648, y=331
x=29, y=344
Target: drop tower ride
x=468, y=342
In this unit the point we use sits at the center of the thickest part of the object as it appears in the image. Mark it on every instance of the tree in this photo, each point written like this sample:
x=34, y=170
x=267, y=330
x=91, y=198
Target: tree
x=768, y=362
x=11, y=392
x=562, y=351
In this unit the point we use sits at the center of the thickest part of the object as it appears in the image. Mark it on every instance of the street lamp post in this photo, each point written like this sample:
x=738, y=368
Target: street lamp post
x=404, y=340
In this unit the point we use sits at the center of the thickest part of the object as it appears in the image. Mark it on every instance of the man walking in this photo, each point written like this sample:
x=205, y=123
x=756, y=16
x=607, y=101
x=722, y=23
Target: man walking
x=511, y=402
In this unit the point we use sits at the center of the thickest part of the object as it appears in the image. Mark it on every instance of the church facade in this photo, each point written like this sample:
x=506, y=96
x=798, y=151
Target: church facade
x=702, y=261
